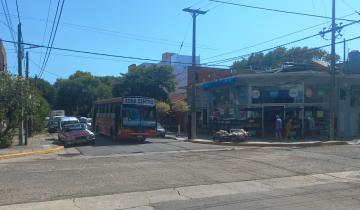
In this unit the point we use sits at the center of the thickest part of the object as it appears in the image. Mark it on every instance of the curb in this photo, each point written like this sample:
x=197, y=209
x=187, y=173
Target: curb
x=36, y=152
x=265, y=144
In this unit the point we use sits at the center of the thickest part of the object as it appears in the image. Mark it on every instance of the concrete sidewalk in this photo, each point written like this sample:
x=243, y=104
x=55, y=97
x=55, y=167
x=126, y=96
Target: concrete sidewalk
x=145, y=200
x=267, y=142
x=43, y=143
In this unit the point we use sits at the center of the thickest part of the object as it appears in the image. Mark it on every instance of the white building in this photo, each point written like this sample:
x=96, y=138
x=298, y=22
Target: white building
x=180, y=64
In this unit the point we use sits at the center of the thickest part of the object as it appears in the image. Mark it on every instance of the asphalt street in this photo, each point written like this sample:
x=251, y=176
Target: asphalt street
x=105, y=146
x=184, y=175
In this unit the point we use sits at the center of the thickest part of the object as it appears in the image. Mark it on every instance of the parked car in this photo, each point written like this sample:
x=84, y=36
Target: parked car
x=67, y=120
x=86, y=121
x=75, y=133
x=161, y=131
x=53, y=125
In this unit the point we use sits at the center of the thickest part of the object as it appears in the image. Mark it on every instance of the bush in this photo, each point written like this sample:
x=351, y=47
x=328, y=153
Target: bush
x=6, y=139
x=42, y=110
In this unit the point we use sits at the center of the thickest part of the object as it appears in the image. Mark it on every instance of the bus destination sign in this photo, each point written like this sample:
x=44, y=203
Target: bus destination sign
x=139, y=101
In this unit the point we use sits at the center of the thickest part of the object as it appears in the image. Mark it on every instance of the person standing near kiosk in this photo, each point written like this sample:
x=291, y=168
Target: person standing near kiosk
x=278, y=128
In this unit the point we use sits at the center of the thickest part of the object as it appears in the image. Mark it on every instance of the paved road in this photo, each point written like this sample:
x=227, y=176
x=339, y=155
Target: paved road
x=245, y=178
x=106, y=146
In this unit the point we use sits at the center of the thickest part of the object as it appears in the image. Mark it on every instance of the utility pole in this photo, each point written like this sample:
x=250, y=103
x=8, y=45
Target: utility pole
x=26, y=116
x=194, y=13
x=21, y=124
x=332, y=76
x=344, y=57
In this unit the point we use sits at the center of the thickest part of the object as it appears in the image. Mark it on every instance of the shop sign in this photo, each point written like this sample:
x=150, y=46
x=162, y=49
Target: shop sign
x=255, y=94
x=139, y=101
x=219, y=83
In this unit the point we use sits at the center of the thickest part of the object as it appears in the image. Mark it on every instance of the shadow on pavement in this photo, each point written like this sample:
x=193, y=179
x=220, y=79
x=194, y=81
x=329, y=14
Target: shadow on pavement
x=105, y=141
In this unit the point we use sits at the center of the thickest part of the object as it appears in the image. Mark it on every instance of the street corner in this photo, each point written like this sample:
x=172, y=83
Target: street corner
x=26, y=153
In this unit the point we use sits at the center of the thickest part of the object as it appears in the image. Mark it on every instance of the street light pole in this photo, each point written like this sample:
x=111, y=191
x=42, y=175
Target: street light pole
x=194, y=13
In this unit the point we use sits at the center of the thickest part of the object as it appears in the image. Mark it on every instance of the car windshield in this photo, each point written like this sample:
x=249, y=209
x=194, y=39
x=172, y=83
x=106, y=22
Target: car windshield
x=74, y=127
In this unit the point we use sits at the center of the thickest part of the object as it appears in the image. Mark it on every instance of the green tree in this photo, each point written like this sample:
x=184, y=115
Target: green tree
x=41, y=111
x=77, y=93
x=45, y=89
x=179, y=108
x=162, y=109
x=277, y=57
x=155, y=82
x=15, y=102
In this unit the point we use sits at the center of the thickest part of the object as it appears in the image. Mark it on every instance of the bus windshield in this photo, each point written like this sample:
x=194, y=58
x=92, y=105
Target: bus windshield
x=143, y=116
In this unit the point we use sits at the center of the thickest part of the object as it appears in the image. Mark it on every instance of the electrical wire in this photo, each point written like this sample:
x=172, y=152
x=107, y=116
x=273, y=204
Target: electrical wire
x=50, y=37
x=38, y=65
x=102, y=54
x=8, y=22
x=185, y=35
x=288, y=43
x=17, y=10
x=125, y=35
x=196, y=3
x=351, y=7
x=270, y=40
x=143, y=59
x=52, y=42
x=277, y=10
x=46, y=25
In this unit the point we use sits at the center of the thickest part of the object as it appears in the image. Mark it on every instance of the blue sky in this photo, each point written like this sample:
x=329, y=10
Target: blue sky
x=147, y=28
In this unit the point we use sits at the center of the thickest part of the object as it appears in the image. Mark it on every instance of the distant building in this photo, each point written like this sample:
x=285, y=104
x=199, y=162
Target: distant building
x=180, y=64
x=3, y=63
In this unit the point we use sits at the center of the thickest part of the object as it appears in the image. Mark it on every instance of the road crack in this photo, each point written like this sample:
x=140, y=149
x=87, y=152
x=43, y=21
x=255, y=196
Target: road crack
x=181, y=195
x=76, y=204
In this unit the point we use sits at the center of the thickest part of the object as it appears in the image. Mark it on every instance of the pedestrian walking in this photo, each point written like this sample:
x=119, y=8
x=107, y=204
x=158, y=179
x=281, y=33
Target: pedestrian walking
x=278, y=128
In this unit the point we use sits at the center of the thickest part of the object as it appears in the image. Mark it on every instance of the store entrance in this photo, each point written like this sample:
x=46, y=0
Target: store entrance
x=270, y=113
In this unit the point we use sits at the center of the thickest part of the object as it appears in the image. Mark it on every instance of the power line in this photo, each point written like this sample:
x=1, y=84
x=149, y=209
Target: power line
x=185, y=35
x=17, y=10
x=8, y=22
x=288, y=43
x=277, y=10
x=196, y=3
x=125, y=35
x=50, y=37
x=38, y=65
x=52, y=42
x=46, y=25
x=351, y=7
x=271, y=48
x=270, y=40
x=101, y=54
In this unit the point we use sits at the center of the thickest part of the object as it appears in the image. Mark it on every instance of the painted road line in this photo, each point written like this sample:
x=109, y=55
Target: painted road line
x=35, y=152
x=144, y=200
